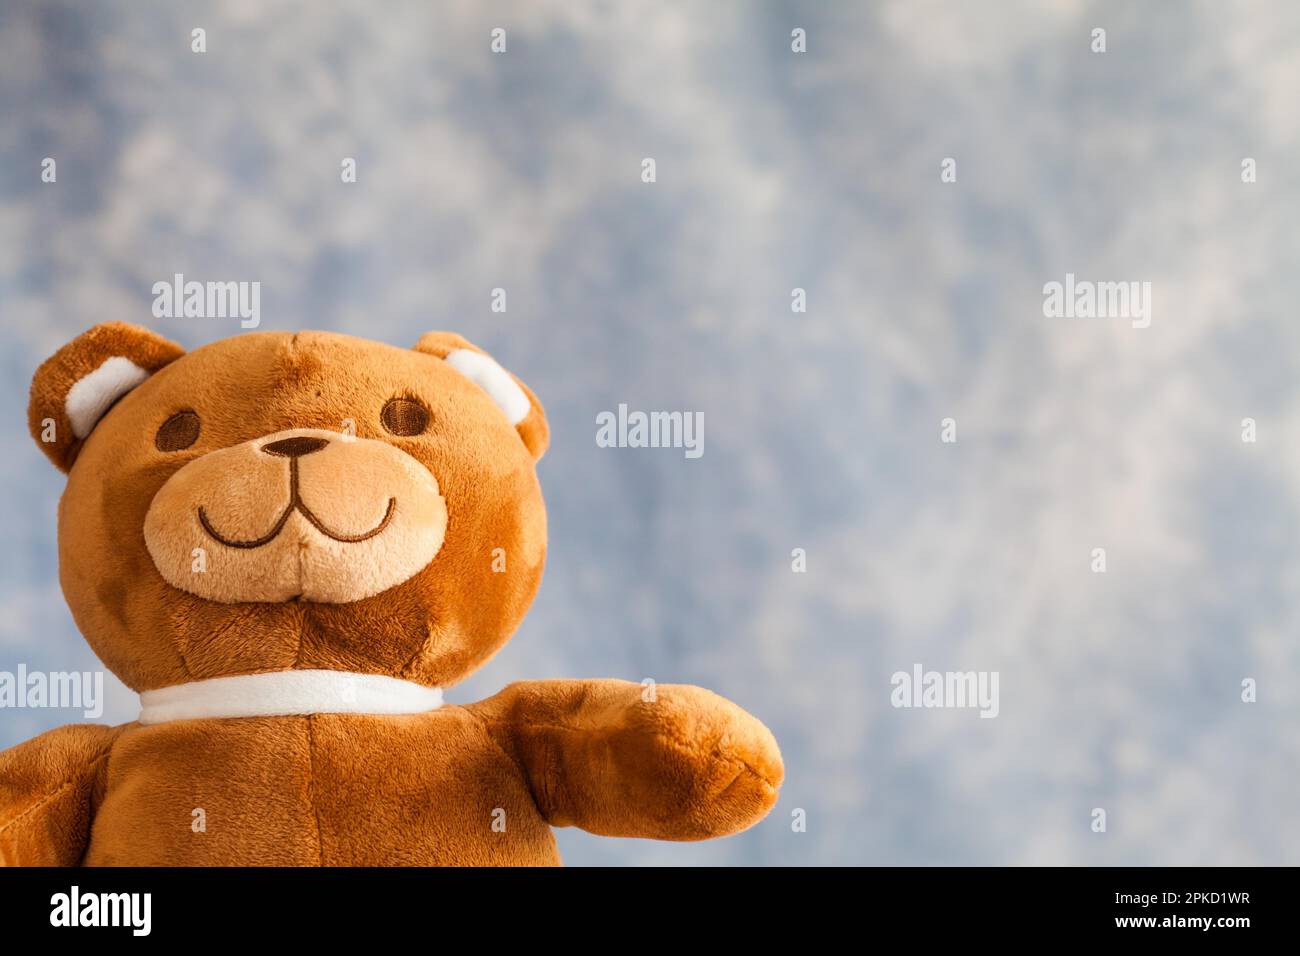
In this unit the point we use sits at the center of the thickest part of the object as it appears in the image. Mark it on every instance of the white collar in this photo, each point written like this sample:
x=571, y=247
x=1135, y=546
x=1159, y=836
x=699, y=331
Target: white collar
x=283, y=693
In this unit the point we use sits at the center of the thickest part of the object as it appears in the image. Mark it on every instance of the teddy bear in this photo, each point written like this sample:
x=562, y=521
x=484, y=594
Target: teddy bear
x=289, y=544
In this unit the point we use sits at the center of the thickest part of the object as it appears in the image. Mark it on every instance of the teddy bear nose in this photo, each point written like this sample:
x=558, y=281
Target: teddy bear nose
x=294, y=447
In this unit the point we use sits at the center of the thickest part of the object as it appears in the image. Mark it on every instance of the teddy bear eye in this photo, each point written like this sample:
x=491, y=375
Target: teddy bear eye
x=404, y=416
x=178, y=432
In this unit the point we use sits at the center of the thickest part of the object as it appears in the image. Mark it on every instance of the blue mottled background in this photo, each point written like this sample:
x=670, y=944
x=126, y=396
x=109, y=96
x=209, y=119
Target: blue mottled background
x=775, y=171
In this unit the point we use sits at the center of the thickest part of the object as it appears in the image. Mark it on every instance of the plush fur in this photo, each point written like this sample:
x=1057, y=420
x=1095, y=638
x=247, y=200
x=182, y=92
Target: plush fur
x=411, y=556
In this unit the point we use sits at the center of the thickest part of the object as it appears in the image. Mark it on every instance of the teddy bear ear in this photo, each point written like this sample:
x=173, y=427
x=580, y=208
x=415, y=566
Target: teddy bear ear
x=515, y=399
x=73, y=388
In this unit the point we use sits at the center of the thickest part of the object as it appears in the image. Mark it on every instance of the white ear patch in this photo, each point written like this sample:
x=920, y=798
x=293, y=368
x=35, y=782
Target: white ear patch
x=493, y=379
x=91, y=396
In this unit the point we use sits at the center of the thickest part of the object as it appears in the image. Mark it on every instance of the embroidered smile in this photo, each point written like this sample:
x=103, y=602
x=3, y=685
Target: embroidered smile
x=293, y=449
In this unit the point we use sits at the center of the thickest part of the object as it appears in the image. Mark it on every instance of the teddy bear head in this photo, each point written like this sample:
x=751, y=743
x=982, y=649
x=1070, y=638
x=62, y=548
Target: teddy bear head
x=279, y=501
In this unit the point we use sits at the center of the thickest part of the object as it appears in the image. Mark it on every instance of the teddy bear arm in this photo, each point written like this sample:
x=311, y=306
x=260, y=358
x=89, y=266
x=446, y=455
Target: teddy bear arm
x=49, y=786
x=669, y=762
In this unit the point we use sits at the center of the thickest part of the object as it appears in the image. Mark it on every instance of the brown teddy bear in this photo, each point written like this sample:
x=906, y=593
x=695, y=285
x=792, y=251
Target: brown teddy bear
x=288, y=544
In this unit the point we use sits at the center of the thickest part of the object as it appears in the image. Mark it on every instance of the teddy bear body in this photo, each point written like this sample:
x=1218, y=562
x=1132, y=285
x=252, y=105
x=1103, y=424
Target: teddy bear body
x=290, y=544
x=322, y=789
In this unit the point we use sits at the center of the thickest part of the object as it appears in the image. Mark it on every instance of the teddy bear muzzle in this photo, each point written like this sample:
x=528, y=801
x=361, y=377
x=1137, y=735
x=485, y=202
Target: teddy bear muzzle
x=303, y=514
